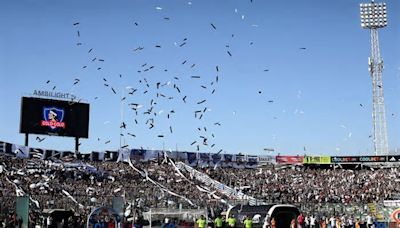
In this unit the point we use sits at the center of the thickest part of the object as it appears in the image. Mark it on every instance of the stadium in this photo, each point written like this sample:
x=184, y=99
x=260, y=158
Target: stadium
x=181, y=186
x=242, y=113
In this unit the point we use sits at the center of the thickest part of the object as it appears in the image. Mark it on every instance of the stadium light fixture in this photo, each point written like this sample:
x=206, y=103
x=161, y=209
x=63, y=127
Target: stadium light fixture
x=373, y=15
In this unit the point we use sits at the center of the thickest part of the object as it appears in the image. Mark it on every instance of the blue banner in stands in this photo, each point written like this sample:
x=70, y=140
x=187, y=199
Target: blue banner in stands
x=228, y=157
x=216, y=158
x=123, y=155
x=192, y=158
x=204, y=157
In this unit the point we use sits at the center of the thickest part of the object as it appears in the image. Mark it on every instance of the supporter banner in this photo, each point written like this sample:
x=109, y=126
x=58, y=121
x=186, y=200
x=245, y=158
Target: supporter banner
x=357, y=159
x=47, y=154
x=123, y=155
x=172, y=154
x=289, y=159
x=228, y=160
x=85, y=157
x=240, y=158
x=20, y=151
x=5, y=148
x=252, y=161
x=110, y=155
x=138, y=154
x=228, y=157
x=182, y=156
x=70, y=153
x=317, y=160
x=36, y=153
x=240, y=161
x=2, y=147
x=96, y=156
x=216, y=158
x=192, y=158
x=101, y=155
x=204, y=157
x=154, y=155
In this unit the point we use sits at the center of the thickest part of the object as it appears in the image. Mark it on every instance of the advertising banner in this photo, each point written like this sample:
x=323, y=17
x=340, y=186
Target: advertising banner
x=391, y=203
x=394, y=158
x=317, y=160
x=289, y=159
x=358, y=159
x=266, y=159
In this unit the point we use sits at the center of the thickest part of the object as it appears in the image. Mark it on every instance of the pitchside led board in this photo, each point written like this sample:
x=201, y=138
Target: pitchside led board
x=54, y=117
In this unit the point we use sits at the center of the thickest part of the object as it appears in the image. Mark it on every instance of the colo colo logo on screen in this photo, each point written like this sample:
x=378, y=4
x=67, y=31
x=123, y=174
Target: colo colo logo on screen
x=53, y=118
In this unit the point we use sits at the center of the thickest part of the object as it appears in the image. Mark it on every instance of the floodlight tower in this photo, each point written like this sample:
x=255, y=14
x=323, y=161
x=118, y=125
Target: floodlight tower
x=373, y=16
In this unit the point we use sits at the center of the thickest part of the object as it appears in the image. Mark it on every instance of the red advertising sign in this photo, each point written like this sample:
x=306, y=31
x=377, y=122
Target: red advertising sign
x=396, y=215
x=289, y=159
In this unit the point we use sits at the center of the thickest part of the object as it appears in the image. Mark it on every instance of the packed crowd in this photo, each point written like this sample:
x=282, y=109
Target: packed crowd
x=82, y=186
x=96, y=183
x=298, y=185
x=73, y=184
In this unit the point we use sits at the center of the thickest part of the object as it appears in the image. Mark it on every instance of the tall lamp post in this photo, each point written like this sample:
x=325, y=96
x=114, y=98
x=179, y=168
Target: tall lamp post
x=373, y=17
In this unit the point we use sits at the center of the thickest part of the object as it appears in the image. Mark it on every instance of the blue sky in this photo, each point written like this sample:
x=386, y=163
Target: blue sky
x=309, y=98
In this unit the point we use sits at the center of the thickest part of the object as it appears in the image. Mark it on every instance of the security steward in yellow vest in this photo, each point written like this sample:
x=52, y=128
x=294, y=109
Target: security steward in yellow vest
x=248, y=222
x=201, y=222
x=231, y=221
x=218, y=222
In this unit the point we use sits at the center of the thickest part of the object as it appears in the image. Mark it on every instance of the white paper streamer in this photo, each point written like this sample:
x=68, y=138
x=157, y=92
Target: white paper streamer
x=72, y=198
x=163, y=188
